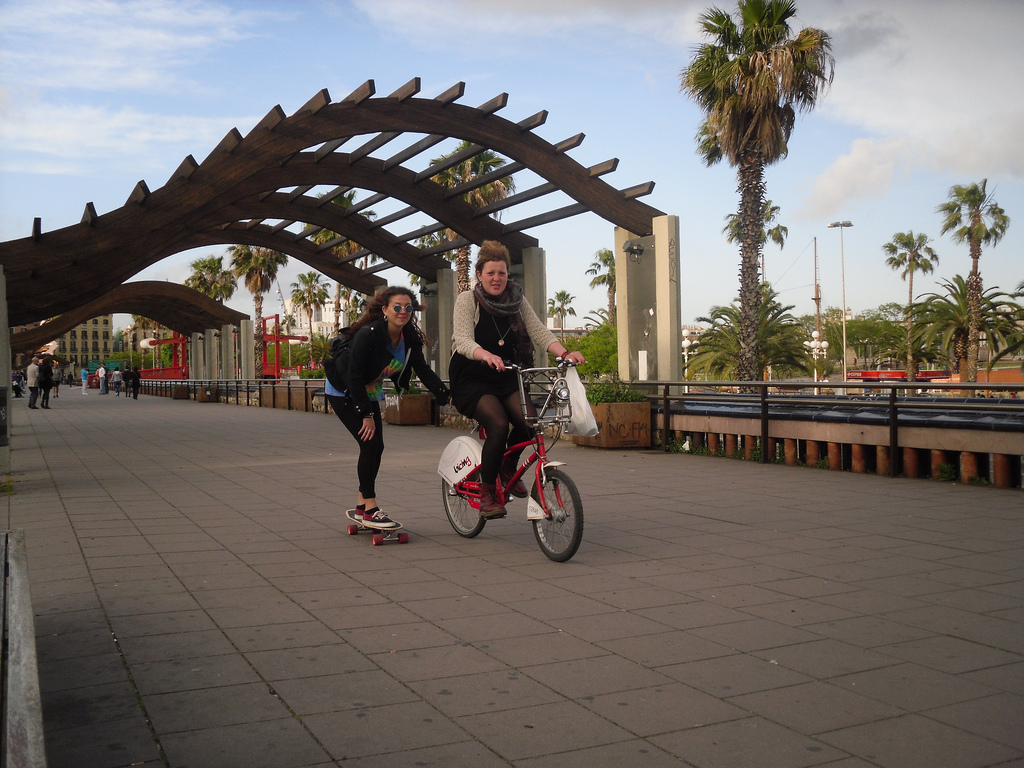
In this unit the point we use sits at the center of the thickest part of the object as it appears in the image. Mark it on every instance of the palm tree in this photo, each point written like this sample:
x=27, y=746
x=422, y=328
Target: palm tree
x=257, y=266
x=750, y=80
x=945, y=319
x=344, y=250
x=603, y=270
x=210, y=278
x=973, y=217
x=561, y=306
x=733, y=230
x=480, y=164
x=308, y=294
x=595, y=319
x=911, y=253
x=781, y=339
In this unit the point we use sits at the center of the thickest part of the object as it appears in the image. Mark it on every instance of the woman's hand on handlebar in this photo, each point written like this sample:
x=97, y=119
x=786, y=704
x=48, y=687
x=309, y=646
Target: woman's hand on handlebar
x=576, y=358
x=492, y=361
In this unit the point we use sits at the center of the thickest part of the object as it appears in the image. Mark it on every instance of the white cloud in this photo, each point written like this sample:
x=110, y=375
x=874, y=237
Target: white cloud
x=51, y=138
x=937, y=74
x=107, y=45
x=667, y=21
x=867, y=171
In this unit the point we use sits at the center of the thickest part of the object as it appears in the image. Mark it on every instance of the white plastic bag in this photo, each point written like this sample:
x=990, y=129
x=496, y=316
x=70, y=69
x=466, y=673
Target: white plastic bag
x=583, y=423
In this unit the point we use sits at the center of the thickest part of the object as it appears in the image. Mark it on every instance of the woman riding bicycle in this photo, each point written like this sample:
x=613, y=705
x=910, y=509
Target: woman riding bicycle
x=494, y=323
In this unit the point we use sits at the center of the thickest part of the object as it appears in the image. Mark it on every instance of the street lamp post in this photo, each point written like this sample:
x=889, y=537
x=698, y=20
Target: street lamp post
x=687, y=343
x=817, y=349
x=842, y=267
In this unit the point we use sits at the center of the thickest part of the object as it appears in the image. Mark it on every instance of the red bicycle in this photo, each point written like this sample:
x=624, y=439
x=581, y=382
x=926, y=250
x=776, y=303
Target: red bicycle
x=554, y=506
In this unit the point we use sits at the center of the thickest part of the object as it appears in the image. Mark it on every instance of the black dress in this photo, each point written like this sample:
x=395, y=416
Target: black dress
x=472, y=379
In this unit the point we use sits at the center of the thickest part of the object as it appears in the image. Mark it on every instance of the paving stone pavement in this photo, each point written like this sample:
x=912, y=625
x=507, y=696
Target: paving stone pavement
x=198, y=603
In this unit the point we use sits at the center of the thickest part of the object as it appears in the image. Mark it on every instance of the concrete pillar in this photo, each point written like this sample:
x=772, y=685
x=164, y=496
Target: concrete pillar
x=210, y=355
x=859, y=459
x=789, y=449
x=835, y=456
x=666, y=298
x=697, y=440
x=712, y=442
x=5, y=378
x=813, y=452
x=968, y=466
x=882, y=459
x=635, y=300
x=749, y=444
x=447, y=290
x=731, y=443
x=246, y=351
x=1002, y=470
x=911, y=463
x=535, y=288
x=196, y=357
x=228, y=352
x=938, y=459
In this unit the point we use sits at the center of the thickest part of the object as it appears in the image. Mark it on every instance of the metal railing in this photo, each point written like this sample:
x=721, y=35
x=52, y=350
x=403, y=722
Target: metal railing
x=767, y=394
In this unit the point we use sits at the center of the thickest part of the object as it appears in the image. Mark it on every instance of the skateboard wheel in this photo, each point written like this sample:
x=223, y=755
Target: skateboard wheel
x=353, y=530
x=377, y=539
x=403, y=538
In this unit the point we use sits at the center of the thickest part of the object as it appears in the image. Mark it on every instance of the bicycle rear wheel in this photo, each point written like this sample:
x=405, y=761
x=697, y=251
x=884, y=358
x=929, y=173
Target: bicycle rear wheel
x=560, y=535
x=464, y=519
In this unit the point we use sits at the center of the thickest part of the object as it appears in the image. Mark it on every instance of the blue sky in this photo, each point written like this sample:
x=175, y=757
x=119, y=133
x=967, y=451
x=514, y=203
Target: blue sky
x=97, y=94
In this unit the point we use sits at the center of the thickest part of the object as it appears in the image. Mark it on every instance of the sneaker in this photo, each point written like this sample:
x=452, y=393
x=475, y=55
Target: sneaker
x=380, y=519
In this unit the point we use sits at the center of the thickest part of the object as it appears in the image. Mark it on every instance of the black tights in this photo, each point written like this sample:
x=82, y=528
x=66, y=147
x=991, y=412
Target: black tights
x=370, y=451
x=496, y=415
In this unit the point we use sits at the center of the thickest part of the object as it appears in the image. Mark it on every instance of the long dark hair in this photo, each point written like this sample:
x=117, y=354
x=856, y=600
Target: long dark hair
x=375, y=307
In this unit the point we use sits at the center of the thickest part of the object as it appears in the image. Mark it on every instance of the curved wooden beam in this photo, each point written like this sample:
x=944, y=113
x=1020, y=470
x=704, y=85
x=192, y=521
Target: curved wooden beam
x=218, y=200
x=179, y=308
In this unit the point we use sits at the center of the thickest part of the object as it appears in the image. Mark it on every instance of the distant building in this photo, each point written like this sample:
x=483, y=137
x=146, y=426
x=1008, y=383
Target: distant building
x=91, y=341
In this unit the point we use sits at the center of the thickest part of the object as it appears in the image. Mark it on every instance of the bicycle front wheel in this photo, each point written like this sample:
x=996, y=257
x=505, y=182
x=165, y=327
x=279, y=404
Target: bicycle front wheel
x=559, y=535
x=464, y=519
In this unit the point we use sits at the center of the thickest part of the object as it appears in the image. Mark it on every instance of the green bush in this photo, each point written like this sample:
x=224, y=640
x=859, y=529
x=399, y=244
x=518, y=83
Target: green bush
x=612, y=391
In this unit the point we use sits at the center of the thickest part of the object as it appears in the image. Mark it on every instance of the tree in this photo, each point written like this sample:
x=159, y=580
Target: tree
x=911, y=253
x=780, y=339
x=464, y=172
x=308, y=294
x=733, y=230
x=343, y=251
x=210, y=278
x=750, y=80
x=559, y=307
x=596, y=319
x=257, y=267
x=603, y=270
x=973, y=217
x=945, y=318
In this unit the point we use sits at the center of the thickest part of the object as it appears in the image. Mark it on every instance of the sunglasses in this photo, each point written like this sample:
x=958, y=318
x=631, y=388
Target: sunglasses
x=402, y=308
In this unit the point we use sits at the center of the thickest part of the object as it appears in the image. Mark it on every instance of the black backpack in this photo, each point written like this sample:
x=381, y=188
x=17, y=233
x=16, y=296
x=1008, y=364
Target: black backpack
x=336, y=364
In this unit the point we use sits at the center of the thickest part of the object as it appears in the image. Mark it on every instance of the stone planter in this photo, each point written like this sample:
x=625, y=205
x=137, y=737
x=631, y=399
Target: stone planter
x=208, y=394
x=179, y=392
x=621, y=425
x=406, y=409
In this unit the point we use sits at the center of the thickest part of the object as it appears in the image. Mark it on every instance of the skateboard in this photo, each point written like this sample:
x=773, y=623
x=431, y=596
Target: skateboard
x=381, y=535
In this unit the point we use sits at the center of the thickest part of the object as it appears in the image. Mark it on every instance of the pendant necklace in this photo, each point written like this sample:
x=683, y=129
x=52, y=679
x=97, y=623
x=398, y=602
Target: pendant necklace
x=501, y=341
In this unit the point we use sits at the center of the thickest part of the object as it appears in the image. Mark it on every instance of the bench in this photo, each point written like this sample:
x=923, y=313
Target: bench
x=22, y=710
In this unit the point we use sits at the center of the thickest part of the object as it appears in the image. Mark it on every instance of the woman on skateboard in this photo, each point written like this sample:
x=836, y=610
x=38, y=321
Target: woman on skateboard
x=385, y=342
x=494, y=323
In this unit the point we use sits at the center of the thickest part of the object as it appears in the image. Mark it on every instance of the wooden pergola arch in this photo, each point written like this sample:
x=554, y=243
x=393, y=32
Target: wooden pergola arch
x=255, y=189
x=177, y=307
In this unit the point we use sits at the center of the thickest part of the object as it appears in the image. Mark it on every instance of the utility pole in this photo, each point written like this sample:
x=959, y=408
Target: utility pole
x=817, y=291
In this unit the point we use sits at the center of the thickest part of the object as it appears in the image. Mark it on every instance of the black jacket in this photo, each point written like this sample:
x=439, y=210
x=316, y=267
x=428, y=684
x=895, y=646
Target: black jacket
x=369, y=356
